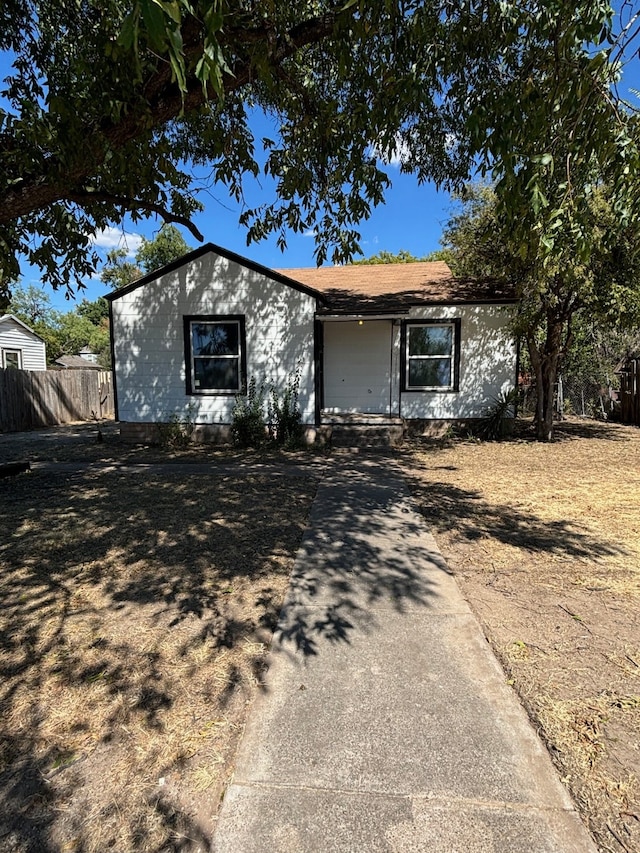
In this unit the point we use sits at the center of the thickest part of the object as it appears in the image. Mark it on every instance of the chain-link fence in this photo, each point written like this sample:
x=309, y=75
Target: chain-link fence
x=585, y=397
x=575, y=396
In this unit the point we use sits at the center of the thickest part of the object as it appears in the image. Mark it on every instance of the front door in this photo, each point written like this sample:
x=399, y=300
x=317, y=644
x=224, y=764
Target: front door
x=357, y=366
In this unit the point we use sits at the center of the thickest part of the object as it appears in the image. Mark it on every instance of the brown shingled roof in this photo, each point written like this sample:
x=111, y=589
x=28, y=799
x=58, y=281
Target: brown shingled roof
x=394, y=287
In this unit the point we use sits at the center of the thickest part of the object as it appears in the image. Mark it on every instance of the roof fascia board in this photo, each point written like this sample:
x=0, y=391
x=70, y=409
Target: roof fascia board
x=502, y=301
x=380, y=315
x=225, y=253
x=333, y=313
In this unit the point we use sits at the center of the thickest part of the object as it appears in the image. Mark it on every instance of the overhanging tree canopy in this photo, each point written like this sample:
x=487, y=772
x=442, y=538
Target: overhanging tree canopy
x=110, y=103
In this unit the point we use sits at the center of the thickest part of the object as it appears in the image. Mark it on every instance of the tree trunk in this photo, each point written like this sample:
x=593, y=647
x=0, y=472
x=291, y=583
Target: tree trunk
x=545, y=360
x=544, y=425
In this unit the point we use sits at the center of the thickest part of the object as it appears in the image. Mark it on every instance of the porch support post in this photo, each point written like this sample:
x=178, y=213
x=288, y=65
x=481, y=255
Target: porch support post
x=318, y=369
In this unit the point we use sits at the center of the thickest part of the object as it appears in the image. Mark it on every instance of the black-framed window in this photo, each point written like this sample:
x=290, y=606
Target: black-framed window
x=215, y=354
x=431, y=355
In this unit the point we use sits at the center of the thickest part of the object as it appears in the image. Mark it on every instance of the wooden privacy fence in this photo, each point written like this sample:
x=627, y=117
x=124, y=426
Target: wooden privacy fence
x=30, y=399
x=630, y=392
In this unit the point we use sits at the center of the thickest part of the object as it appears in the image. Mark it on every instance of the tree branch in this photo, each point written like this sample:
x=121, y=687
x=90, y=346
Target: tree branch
x=163, y=101
x=83, y=197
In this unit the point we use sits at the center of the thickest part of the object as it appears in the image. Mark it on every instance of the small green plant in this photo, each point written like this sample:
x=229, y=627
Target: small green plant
x=285, y=427
x=494, y=425
x=247, y=418
x=177, y=432
x=450, y=433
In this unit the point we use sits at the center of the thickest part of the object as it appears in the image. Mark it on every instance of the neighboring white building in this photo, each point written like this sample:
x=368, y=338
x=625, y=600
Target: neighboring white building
x=89, y=355
x=20, y=346
x=390, y=341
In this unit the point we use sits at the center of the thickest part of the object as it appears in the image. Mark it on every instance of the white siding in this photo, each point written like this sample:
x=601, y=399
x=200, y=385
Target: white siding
x=148, y=334
x=487, y=363
x=13, y=336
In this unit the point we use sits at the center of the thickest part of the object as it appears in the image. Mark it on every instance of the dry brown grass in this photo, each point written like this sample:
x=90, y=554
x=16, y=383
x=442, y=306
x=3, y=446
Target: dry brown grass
x=135, y=613
x=545, y=542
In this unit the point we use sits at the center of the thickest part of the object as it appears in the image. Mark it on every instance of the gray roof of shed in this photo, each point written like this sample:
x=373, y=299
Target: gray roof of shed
x=76, y=362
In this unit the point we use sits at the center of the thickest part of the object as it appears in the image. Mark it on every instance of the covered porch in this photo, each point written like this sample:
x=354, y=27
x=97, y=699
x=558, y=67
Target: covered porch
x=359, y=391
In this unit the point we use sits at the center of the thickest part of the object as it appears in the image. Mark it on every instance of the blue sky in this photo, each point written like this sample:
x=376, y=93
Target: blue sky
x=412, y=218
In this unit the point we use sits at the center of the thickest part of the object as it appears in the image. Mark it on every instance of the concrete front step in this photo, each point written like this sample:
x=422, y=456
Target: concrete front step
x=356, y=429
x=366, y=436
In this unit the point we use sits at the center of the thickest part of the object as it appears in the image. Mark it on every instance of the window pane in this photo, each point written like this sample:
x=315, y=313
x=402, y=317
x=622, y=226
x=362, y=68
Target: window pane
x=430, y=340
x=12, y=359
x=215, y=338
x=429, y=372
x=220, y=374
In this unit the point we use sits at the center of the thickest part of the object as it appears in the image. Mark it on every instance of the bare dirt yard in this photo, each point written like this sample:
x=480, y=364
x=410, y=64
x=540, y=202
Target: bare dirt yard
x=137, y=604
x=545, y=543
x=136, y=607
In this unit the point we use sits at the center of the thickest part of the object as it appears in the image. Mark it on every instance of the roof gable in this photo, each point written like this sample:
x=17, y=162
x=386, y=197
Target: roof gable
x=274, y=275
x=6, y=318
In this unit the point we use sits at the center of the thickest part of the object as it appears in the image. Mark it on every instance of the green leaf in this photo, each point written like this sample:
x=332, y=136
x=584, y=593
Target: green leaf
x=128, y=36
x=170, y=8
x=155, y=24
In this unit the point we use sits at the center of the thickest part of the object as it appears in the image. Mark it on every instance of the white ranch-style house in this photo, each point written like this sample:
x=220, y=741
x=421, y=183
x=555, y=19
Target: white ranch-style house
x=397, y=343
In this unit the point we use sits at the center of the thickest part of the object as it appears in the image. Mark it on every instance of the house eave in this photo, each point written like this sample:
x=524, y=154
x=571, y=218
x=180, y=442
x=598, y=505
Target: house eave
x=387, y=315
x=351, y=312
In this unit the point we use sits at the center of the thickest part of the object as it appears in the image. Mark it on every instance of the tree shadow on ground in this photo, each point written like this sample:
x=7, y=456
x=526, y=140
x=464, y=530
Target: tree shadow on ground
x=588, y=428
x=132, y=609
x=573, y=428
x=364, y=553
x=447, y=507
x=367, y=551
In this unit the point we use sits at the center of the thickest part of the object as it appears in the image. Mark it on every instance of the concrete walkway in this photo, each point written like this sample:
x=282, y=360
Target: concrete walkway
x=385, y=723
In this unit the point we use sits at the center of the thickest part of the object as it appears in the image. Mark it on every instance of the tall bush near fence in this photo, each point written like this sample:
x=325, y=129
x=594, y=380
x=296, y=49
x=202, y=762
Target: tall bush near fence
x=31, y=399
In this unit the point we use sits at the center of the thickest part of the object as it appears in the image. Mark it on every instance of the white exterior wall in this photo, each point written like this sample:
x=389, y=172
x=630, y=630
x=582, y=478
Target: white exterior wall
x=149, y=346
x=487, y=363
x=13, y=336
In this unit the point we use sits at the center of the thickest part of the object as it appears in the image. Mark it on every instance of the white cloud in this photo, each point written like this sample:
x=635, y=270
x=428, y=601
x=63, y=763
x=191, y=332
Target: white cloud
x=450, y=142
x=397, y=157
x=116, y=238
x=400, y=155
x=310, y=232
